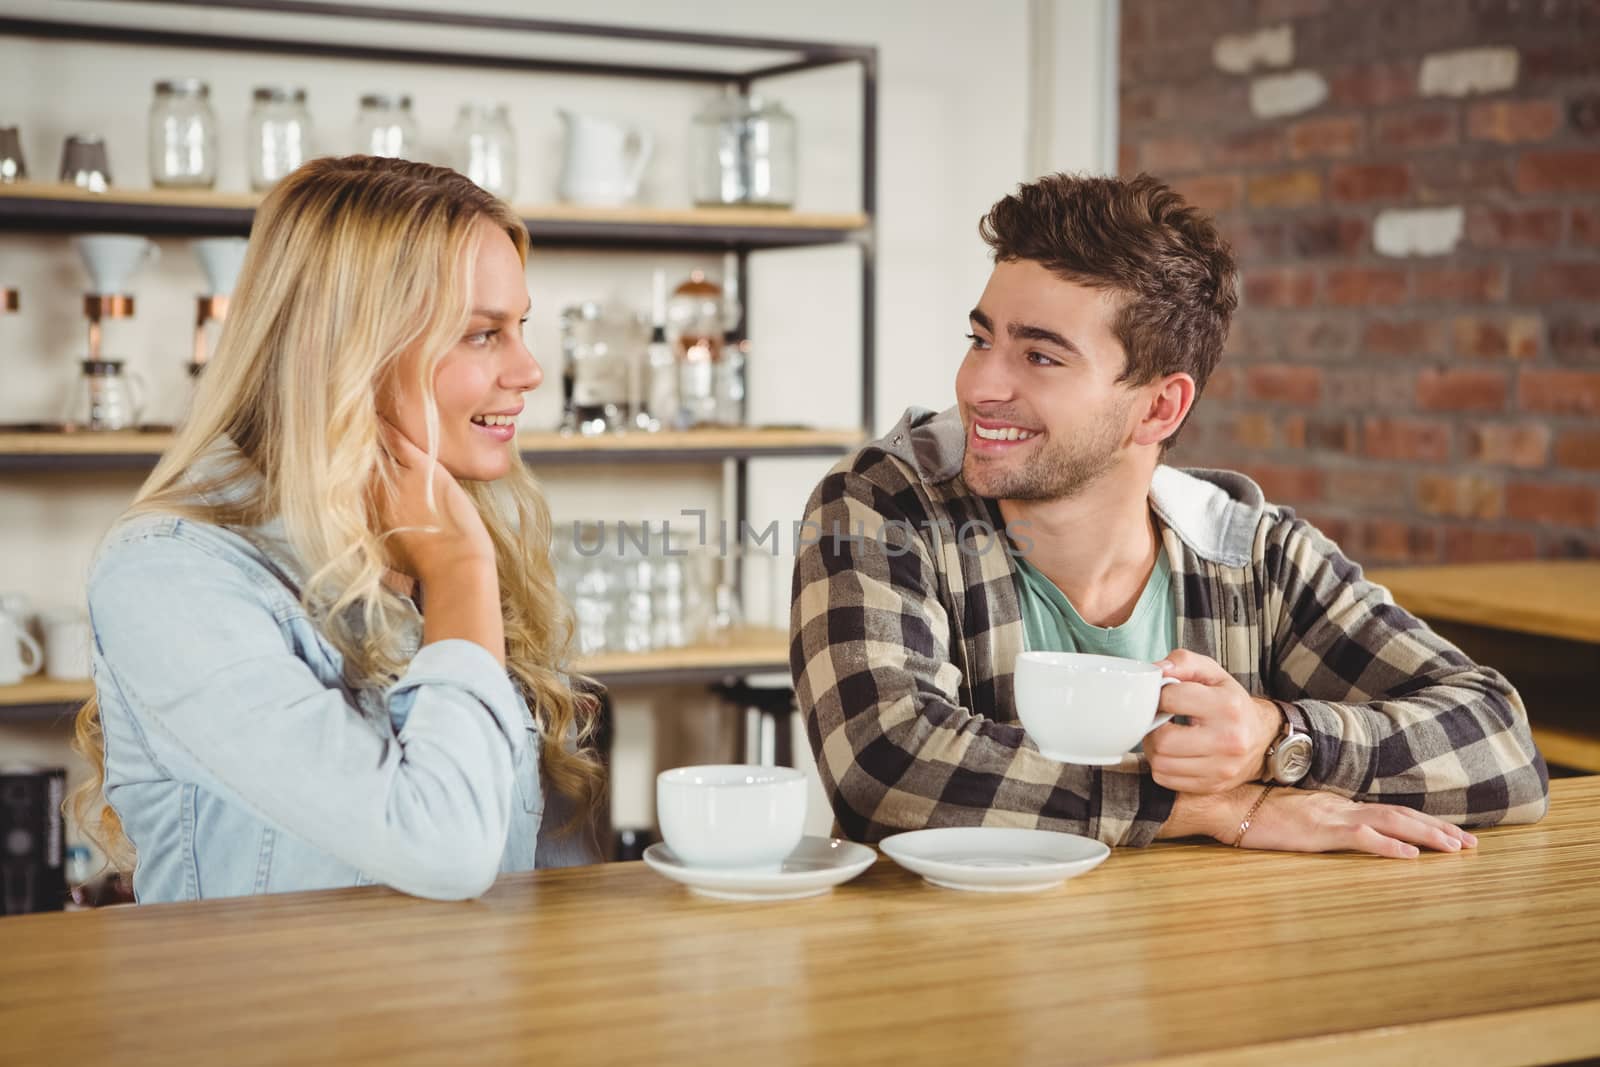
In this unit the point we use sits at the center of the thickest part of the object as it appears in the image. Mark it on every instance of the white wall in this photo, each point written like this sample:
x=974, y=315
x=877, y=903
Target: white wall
x=954, y=135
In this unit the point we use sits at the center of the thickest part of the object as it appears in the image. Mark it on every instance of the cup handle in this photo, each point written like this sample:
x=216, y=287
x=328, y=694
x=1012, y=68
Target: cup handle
x=136, y=387
x=33, y=657
x=1161, y=720
x=643, y=144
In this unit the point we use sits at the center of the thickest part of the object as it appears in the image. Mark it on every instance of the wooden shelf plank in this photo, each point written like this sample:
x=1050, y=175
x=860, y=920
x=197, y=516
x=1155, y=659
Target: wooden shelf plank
x=752, y=650
x=57, y=206
x=132, y=448
x=40, y=691
x=1551, y=598
x=748, y=651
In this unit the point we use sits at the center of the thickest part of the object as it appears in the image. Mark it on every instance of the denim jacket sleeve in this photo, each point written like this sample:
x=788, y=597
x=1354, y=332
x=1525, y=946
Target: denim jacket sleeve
x=198, y=651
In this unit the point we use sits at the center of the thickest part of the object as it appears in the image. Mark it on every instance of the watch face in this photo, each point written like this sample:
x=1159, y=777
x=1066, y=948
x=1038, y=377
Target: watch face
x=1293, y=759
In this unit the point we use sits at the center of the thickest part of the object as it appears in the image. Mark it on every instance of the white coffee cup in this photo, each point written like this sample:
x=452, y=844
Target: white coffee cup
x=732, y=816
x=67, y=639
x=20, y=655
x=1086, y=709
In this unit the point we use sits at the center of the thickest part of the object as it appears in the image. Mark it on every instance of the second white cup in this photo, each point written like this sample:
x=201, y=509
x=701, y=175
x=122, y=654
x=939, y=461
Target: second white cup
x=1080, y=708
x=732, y=816
x=66, y=644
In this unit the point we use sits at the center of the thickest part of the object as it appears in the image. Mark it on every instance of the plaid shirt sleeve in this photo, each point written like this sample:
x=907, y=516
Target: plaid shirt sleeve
x=1395, y=712
x=871, y=657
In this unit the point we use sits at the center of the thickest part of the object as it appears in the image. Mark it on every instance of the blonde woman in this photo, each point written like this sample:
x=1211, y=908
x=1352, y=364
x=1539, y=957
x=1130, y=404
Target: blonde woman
x=328, y=637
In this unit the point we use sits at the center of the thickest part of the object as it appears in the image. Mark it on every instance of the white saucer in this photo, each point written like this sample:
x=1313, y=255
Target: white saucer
x=994, y=859
x=814, y=867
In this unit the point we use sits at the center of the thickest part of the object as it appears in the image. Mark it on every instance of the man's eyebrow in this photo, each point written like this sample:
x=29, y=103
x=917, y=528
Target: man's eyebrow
x=981, y=319
x=1039, y=333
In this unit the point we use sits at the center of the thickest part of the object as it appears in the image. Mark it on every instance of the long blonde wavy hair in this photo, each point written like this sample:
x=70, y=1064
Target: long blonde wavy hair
x=353, y=262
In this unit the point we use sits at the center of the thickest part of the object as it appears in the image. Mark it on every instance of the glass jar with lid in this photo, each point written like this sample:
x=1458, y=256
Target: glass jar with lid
x=280, y=133
x=486, y=148
x=183, y=135
x=385, y=126
x=742, y=149
x=699, y=317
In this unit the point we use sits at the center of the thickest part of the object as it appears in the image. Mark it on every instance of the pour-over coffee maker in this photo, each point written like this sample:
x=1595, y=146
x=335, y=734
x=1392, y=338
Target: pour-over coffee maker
x=221, y=259
x=111, y=260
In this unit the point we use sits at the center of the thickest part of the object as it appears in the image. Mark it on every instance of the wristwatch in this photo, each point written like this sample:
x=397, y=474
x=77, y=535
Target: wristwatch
x=1288, y=757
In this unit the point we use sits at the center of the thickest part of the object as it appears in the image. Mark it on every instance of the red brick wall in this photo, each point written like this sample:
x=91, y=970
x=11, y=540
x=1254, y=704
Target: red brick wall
x=1412, y=188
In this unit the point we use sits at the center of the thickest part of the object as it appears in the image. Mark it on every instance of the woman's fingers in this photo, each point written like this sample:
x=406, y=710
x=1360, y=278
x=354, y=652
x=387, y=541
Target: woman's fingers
x=398, y=445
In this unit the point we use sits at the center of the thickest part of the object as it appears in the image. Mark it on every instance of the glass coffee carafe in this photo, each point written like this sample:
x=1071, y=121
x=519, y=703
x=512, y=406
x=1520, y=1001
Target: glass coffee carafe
x=107, y=398
x=601, y=348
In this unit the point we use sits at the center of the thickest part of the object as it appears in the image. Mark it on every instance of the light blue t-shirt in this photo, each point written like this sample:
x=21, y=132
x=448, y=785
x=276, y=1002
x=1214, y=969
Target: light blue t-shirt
x=1052, y=624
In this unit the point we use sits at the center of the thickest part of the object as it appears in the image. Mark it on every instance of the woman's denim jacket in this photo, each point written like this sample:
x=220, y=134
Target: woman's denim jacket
x=240, y=761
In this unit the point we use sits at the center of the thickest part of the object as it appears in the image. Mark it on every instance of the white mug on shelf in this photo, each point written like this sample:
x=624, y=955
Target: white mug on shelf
x=20, y=608
x=19, y=653
x=66, y=644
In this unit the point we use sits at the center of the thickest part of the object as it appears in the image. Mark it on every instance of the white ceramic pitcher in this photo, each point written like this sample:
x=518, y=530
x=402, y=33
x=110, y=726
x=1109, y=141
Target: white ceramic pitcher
x=20, y=654
x=605, y=160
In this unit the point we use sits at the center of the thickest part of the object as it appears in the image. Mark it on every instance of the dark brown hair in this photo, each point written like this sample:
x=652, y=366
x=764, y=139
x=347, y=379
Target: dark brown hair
x=1140, y=240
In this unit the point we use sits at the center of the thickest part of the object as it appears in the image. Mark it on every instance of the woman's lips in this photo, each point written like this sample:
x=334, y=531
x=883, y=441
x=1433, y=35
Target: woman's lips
x=502, y=434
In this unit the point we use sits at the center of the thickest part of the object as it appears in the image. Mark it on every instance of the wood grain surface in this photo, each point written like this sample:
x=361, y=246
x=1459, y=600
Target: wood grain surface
x=1552, y=598
x=1172, y=954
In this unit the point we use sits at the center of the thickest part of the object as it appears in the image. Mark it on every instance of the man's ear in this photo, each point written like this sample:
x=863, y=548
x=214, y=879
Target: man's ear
x=1169, y=402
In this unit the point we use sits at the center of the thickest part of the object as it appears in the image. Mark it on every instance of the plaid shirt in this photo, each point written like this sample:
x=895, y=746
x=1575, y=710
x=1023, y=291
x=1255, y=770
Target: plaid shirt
x=906, y=624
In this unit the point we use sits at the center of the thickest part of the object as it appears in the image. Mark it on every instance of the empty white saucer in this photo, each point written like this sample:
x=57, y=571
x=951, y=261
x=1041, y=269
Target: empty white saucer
x=814, y=867
x=994, y=859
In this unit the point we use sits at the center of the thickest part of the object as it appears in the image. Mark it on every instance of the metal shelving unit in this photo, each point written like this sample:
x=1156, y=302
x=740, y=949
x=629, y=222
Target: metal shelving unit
x=43, y=207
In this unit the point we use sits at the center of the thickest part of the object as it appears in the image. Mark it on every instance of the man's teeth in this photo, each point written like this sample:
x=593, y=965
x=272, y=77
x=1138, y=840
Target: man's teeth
x=1009, y=433
x=495, y=420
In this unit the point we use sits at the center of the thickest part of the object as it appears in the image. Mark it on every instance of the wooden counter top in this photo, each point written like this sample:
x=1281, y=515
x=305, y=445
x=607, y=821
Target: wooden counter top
x=1551, y=598
x=1172, y=954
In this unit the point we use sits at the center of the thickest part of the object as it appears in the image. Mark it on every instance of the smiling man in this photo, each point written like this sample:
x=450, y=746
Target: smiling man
x=1037, y=514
